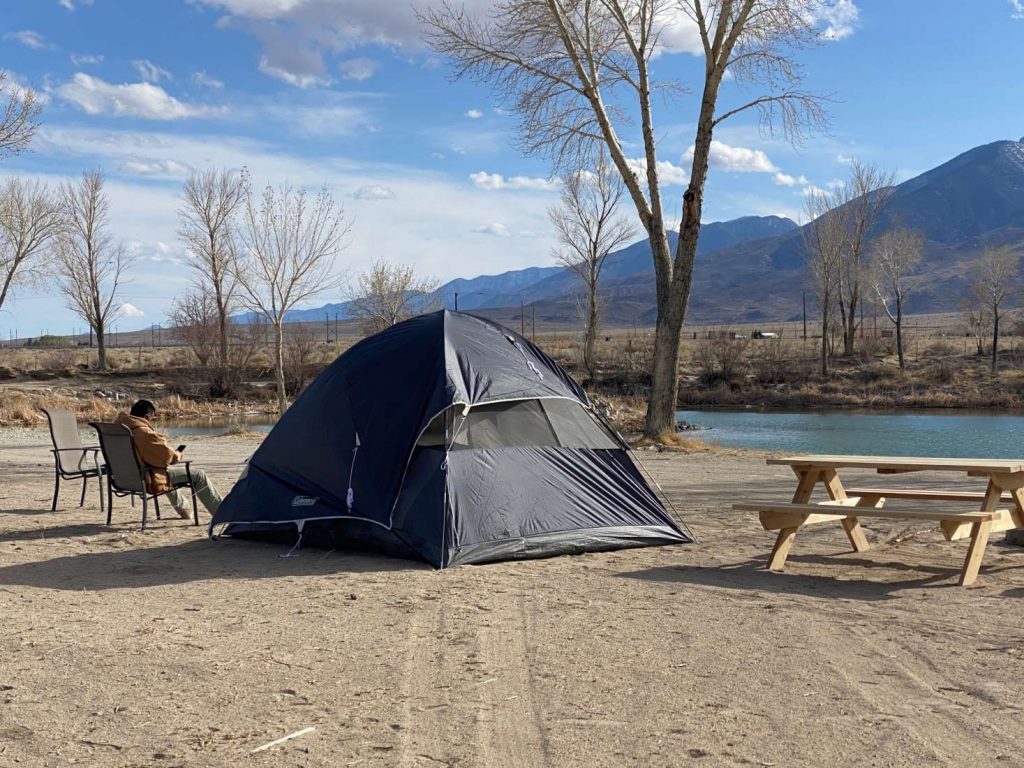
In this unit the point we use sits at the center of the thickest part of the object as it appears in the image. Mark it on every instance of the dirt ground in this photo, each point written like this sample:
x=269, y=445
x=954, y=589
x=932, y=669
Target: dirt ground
x=121, y=648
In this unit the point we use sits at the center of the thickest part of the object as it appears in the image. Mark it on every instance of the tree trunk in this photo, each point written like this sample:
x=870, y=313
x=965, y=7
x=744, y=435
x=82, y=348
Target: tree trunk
x=995, y=342
x=850, y=326
x=590, y=338
x=825, y=311
x=101, y=348
x=899, y=333
x=222, y=328
x=282, y=395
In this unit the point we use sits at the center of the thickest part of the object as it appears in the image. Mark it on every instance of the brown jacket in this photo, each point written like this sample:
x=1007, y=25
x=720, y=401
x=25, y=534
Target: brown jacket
x=152, y=449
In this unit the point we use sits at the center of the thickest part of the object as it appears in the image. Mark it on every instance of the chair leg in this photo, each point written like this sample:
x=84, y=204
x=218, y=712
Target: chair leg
x=143, y=511
x=110, y=500
x=156, y=504
x=85, y=485
x=56, y=490
x=99, y=483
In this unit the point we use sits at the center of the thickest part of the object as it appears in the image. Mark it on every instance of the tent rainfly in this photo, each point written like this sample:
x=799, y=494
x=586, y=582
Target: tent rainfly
x=446, y=438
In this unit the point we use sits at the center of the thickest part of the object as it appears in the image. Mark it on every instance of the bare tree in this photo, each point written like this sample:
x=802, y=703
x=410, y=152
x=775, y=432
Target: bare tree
x=858, y=203
x=823, y=244
x=30, y=217
x=995, y=278
x=195, y=320
x=895, y=254
x=388, y=293
x=209, y=202
x=588, y=227
x=92, y=263
x=289, y=243
x=20, y=109
x=578, y=74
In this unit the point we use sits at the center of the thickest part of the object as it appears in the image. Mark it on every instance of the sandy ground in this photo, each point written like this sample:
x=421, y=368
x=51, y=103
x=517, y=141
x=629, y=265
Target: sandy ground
x=119, y=648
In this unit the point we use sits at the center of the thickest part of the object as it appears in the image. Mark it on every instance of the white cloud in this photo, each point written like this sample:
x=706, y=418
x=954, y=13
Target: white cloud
x=204, y=80
x=1018, y=9
x=495, y=230
x=785, y=180
x=28, y=38
x=150, y=72
x=86, y=59
x=493, y=181
x=669, y=174
x=324, y=120
x=298, y=79
x=736, y=159
x=145, y=167
x=358, y=69
x=71, y=4
x=143, y=100
x=374, y=192
x=811, y=189
x=840, y=18
x=130, y=310
x=474, y=114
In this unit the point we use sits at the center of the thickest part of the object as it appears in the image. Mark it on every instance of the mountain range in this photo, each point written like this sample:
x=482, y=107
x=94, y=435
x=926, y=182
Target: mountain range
x=753, y=268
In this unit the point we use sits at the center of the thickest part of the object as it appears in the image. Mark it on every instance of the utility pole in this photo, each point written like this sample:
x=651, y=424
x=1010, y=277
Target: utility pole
x=456, y=301
x=533, y=323
x=805, y=315
x=327, y=325
x=522, y=318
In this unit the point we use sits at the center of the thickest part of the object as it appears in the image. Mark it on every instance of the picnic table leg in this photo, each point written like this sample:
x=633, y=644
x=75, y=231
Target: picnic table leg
x=975, y=552
x=806, y=480
x=780, y=551
x=836, y=492
x=993, y=495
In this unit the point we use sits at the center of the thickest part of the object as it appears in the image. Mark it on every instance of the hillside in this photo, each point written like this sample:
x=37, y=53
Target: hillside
x=753, y=269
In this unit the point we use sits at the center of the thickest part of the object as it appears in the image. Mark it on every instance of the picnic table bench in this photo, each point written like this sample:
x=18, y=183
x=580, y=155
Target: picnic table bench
x=1004, y=482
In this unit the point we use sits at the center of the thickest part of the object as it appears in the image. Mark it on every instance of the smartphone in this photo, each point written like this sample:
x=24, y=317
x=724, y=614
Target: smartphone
x=181, y=448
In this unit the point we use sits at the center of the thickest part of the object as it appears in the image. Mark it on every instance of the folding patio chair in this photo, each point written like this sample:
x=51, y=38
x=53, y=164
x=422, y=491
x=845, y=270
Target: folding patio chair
x=126, y=475
x=71, y=459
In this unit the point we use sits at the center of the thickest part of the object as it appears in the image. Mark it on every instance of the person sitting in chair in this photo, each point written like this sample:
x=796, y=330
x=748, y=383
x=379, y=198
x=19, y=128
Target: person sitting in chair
x=152, y=449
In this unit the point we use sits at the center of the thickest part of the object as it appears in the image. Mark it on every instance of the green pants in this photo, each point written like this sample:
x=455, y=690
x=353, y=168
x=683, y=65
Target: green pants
x=205, y=492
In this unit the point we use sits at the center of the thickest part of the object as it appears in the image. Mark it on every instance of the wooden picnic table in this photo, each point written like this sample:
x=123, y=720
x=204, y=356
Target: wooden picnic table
x=1004, y=482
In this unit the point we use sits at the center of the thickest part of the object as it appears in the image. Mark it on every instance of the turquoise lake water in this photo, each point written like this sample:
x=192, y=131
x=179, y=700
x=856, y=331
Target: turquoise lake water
x=967, y=434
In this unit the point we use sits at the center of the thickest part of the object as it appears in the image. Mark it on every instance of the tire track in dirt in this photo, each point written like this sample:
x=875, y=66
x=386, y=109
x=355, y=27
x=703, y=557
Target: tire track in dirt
x=906, y=692
x=426, y=697
x=509, y=724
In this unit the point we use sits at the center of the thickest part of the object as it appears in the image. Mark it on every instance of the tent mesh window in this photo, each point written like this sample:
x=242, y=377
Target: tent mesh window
x=547, y=423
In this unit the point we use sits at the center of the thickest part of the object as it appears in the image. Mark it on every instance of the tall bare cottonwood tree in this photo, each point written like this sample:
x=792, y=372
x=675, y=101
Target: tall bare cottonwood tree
x=578, y=74
x=288, y=245
x=388, y=293
x=92, y=262
x=995, y=278
x=588, y=227
x=210, y=200
x=895, y=254
x=823, y=244
x=858, y=202
x=30, y=218
x=20, y=110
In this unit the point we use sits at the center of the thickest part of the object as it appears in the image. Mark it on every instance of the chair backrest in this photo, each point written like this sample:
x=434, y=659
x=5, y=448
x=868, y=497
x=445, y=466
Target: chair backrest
x=124, y=470
x=65, y=435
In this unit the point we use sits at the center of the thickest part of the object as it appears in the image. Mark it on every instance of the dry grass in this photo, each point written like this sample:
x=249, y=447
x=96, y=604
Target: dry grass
x=20, y=408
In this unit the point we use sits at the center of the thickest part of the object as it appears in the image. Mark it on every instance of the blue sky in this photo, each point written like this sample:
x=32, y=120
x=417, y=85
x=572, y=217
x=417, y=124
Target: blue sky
x=343, y=93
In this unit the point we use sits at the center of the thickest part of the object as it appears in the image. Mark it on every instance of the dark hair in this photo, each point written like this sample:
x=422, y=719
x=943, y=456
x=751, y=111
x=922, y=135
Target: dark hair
x=143, y=409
